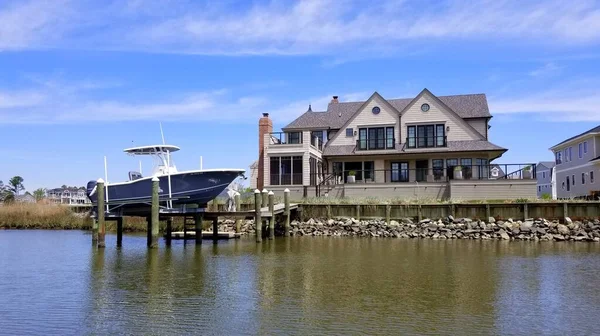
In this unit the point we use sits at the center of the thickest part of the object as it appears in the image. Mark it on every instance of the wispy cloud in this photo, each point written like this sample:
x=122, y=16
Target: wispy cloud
x=547, y=69
x=567, y=102
x=57, y=101
x=331, y=27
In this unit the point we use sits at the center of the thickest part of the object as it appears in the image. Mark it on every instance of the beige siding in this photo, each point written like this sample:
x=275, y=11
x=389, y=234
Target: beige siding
x=437, y=114
x=296, y=192
x=492, y=189
x=364, y=118
x=412, y=191
x=479, y=125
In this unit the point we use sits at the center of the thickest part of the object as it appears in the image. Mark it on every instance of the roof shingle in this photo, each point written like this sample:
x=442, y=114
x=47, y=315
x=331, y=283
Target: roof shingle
x=337, y=114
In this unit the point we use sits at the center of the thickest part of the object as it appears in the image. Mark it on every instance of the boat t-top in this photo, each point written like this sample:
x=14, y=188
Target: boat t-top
x=175, y=187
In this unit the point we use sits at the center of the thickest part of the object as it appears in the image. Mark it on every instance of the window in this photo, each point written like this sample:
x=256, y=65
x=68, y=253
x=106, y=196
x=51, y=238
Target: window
x=482, y=168
x=375, y=138
x=591, y=177
x=539, y=189
x=580, y=147
x=349, y=132
x=570, y=153
x=558, y=157
x=286, y=170
x=450, y=164
x=295, y=137
x=399, y=172
x=425, y=136
x=582, y=178
x=563, y=185
x=573, y=180
x=544, y=175
x=438, y=169
x=369, y=169
x=585, y=147
x=568, y=184
x=466, y=165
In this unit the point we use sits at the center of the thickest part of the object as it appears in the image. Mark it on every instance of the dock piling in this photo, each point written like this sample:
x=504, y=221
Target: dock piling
x=265, y=198
x=272, y=219
x=238, y=207
x=119, y=231
x=257, y=215
x=169, y=233
x=198, y=228
x=215, y=225
x=153, y=236
x=286, y=214
x=101, y=230
x=388, y=213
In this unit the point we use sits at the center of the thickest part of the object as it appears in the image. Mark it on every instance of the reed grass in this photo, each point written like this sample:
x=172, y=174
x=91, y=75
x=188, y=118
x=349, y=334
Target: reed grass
x=41, y=216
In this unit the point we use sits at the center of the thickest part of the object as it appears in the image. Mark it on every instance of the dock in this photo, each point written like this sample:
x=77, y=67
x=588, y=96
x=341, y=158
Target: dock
x=193, y=217
x=205, y=235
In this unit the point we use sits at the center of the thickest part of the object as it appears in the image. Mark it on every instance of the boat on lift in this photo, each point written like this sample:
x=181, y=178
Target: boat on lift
x=175, y=188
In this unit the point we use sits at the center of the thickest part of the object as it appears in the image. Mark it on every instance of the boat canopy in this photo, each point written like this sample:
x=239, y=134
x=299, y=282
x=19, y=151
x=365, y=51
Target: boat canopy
x=151, y=150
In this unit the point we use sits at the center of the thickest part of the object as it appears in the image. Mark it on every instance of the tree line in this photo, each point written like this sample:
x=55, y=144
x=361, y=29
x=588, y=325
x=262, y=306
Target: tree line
x=14, y=187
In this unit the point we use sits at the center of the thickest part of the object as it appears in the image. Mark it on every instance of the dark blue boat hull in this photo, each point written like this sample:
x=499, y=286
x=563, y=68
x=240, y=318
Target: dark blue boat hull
x=186, y=188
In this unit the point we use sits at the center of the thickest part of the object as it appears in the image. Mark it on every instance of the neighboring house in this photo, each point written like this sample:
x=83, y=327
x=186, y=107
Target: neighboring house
x=578, y=165
x=545, y=182
x=25, y=198
x=426, y=146
x=71, y=196
x=254, y=175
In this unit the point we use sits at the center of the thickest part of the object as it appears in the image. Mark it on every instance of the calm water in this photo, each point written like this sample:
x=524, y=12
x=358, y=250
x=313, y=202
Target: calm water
x=54, y=282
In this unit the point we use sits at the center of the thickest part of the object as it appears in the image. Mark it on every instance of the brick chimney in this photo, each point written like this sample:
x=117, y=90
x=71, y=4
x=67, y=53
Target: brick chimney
x=334, y=100
x=265, y=126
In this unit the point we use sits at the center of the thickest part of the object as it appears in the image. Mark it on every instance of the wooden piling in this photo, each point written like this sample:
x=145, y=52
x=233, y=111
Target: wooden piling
x=169, y=230
x=328, y=209
x=215, y=234
x=198, y=228
x=286, y=201
x=153, y=236
x=565, y=212
x=95, y=231
x=101, y=232
x=272, y=219
x=525, y=211
x=419, y=213
x=238, y=207
x=388, y=214
x=488, y=212
x=358, y=212
x=257, y=215
x=265, y=198
x=120, y=231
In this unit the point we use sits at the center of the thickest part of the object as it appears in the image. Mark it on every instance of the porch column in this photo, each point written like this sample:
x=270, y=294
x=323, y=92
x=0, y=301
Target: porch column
x=306, y=169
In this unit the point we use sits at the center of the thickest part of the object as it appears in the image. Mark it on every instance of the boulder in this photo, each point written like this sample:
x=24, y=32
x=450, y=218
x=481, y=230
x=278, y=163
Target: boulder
x=491, y=220
x=503, y=234
x=526, y=226
x=568, y=220
x=562, y=229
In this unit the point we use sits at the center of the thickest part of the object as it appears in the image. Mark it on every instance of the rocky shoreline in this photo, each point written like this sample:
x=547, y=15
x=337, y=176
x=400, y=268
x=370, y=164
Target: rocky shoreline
x=448, y=228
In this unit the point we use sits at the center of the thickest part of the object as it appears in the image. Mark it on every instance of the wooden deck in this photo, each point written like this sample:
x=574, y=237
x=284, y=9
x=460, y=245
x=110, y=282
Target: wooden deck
x=205, y=235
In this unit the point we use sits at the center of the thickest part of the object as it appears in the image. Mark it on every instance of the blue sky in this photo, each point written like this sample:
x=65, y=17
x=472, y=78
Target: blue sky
x=83, y=79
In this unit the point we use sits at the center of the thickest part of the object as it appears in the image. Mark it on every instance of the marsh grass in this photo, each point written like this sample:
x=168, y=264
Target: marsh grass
x=41, y=216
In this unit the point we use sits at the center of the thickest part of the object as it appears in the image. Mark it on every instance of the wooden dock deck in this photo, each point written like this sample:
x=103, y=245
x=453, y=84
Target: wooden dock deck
x=205, y=235
x=264, y=212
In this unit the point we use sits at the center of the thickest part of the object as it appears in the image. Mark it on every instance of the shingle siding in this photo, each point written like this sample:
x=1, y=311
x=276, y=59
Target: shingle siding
x=492, y=189
x=366, y=118
x=437, y=114
x=480, y=125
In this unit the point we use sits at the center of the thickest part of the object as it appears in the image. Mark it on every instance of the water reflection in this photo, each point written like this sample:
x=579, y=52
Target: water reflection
x=302, y=285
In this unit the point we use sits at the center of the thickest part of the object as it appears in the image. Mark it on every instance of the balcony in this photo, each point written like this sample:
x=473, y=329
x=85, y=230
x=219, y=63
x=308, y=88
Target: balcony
x=376, y=144
x=286, y=138
x=317, y=143
x=426, y=142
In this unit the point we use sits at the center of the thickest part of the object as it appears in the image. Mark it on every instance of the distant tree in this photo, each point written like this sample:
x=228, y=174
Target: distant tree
x=39, y=194
x=3, y=191
x=15, y=185
x=64, y=186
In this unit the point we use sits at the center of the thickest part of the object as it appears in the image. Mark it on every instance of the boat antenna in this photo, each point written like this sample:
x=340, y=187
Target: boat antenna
x=161, y=133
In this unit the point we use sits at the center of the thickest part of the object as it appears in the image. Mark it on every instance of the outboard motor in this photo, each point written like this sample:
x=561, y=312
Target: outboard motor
x=91, y=191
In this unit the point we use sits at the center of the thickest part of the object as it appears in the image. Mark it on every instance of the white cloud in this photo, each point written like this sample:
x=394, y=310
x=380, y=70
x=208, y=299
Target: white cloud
x=547, y=69
x=332, y=27
x=565, y=103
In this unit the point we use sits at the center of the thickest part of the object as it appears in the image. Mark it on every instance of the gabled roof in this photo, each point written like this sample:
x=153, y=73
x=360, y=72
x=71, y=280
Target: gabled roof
x=547, y=164
x=338, y=114
x=593, y=130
